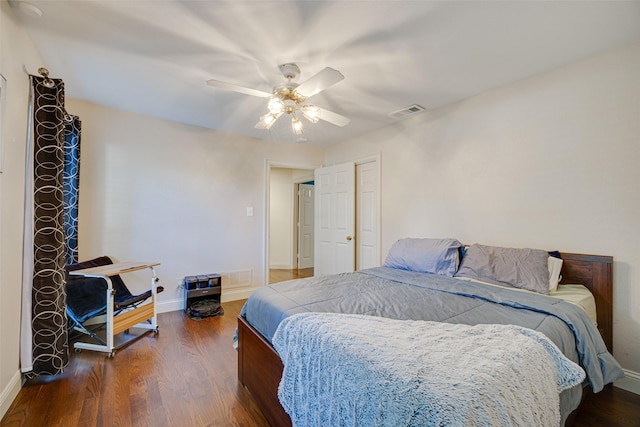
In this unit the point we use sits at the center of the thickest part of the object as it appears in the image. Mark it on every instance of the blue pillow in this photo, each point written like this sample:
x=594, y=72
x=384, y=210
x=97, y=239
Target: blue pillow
x=519, y=268
x=437, y=256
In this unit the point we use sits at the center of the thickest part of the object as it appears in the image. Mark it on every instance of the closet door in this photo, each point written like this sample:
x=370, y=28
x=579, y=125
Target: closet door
x=335, y=219
x=367, y=215
x=306, y=213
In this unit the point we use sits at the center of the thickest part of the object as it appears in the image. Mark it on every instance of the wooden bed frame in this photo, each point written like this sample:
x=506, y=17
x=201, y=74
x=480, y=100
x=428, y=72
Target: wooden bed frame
x=260, y=367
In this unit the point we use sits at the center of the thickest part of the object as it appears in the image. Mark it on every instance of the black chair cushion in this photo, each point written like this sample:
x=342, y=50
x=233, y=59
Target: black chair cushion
x=87, y=296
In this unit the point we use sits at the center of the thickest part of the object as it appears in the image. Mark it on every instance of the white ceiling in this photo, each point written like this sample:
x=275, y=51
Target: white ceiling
x=154, y=56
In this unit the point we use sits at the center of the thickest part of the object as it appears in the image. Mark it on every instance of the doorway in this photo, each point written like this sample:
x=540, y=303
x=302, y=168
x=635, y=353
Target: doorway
x=368, y=224
x=289, y=225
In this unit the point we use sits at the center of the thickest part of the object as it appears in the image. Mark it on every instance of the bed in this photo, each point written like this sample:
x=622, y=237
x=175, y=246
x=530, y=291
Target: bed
x=260, y=367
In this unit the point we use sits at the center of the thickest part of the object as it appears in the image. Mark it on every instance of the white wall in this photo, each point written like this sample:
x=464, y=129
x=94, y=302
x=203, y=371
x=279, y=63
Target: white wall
x=281, y=219
x=550, y=162
x=154, y=190
x=16, y=50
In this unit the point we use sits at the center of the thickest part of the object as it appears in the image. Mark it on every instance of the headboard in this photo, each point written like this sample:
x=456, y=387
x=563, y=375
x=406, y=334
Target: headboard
x=596, y=273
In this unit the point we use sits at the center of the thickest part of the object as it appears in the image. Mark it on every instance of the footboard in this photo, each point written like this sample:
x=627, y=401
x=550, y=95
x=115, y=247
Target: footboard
x=260, y=370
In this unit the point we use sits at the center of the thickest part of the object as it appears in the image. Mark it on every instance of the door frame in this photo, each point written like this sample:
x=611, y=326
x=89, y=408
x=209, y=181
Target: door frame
x=266, y=217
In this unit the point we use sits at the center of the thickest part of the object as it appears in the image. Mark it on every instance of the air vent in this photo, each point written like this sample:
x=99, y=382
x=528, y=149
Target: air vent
x=236, y=279
x=407, y=111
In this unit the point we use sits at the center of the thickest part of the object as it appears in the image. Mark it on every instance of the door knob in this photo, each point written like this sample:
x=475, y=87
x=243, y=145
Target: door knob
x=349, y=238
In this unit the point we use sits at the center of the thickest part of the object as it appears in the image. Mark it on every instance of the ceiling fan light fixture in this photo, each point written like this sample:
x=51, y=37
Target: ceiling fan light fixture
x=311, y=113
x=275, y=105
x=289, y=97
x=269, y=119
x=290, y=106
x=296, y=125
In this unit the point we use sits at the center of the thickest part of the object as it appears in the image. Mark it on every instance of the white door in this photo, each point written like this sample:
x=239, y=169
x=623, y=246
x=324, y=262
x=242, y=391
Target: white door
x=367, y=215
x=335, y=219
x=305, y=225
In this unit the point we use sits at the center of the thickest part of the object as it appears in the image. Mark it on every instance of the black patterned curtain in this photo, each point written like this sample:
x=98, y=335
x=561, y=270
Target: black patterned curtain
x=71, y=187
x=50, y=237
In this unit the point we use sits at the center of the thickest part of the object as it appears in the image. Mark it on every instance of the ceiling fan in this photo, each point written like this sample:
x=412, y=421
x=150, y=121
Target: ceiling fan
x=290, y=98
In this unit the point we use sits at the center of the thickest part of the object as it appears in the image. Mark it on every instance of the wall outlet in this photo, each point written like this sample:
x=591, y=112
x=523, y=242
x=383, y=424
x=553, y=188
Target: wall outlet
x=250, y=211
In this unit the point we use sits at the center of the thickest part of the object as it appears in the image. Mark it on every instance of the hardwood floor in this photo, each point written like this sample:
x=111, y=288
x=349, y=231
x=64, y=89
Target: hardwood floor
x=612, y=407
x=187, y=376
x=277, y=275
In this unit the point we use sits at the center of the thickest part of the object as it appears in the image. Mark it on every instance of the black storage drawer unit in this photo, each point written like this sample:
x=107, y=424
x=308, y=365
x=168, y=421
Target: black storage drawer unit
x=202, y=287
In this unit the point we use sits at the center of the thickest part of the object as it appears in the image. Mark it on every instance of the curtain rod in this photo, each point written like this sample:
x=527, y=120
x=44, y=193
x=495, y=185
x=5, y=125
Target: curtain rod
x=48, y=82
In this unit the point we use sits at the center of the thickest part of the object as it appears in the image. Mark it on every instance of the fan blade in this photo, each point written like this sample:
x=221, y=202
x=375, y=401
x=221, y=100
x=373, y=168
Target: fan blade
x=319, y=82
x=333, y=118
x=235, y=88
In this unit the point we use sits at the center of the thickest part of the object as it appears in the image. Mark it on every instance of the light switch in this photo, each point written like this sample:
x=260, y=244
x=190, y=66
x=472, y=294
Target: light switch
x=250, y=211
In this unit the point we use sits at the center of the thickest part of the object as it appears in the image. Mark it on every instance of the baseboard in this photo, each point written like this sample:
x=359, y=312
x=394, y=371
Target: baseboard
x=10, y=392
x=236, y=294
x=630, y=382
x=228, y=295
x=172, y=305
x=281, y=266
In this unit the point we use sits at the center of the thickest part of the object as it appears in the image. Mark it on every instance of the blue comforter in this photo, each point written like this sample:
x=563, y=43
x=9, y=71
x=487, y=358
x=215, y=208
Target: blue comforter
x=355, y=370
x=399, y=294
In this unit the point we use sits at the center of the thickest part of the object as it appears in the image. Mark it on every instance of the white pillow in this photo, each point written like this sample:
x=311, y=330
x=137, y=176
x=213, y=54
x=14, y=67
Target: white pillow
x=555, y=265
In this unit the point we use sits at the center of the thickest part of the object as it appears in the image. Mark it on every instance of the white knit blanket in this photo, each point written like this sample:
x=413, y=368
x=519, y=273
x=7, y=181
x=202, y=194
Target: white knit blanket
x=354, y=370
